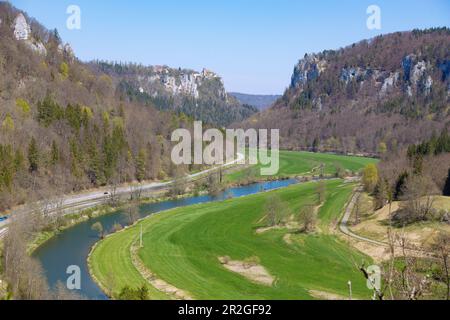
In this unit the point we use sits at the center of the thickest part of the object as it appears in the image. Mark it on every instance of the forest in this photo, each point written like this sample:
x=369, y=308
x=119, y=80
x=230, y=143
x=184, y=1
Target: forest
x=384, y=93
x=66, y=127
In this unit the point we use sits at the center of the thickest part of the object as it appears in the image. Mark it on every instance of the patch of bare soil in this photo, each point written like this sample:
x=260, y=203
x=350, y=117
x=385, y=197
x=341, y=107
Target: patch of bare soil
x=265, y=229
x=251, y=271
x=159, y=284
x=323, y=295
x=376, y=227
x=377, y=252
x=287, y=238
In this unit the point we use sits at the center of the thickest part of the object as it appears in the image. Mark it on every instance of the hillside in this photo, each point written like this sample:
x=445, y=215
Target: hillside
x=65, y=127
x=393, y=90
x=200, y=95
x=262, y=102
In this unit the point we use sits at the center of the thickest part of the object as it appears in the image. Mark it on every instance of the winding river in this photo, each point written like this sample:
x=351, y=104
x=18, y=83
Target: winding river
x=72, y=246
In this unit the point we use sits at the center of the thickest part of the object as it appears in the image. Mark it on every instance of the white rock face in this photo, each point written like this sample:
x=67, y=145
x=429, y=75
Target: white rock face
x=419, y=69
x=409, y=91
x=307, y=69
x=22, y=30
x=389, y=82
x=428, y=85
x=66, y=50
x=185, y=83
x=37, y=47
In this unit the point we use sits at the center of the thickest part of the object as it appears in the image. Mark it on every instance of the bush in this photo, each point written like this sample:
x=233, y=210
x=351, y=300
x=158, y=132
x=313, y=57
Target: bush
x=128, y=293
x=23, y=106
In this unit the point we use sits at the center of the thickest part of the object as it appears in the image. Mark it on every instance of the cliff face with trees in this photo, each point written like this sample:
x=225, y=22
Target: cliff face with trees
x=375, y=95
x=200, y=95
x=64, y=126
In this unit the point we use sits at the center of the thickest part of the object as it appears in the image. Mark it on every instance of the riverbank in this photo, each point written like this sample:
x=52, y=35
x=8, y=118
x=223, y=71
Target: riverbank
x=76, y=218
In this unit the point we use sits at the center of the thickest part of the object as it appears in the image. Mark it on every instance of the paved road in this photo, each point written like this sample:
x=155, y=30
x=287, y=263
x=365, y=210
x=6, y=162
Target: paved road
x=75, y=203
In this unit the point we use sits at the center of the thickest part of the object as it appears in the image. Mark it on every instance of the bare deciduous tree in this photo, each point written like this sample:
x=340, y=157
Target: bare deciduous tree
x=442, y=249
x=307, y=219
x=98, y=227
x=419, y=194
x=321, y=192
x=273, y=210
x=23, y=273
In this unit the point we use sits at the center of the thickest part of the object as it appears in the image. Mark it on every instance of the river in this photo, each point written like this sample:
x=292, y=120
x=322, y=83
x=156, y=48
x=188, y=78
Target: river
x=72, y=246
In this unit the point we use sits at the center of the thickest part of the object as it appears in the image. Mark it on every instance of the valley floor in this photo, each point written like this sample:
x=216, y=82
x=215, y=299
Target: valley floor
x=186, y=247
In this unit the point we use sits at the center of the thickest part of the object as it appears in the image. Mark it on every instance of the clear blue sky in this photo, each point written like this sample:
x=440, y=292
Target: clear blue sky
x=252, y=44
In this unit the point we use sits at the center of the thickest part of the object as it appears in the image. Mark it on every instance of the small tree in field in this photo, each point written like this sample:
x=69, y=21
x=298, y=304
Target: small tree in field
x=307, y=219
x=320, y=191
x=273, y=210
x=381, y=194
x=370, y=177
x=340, y=171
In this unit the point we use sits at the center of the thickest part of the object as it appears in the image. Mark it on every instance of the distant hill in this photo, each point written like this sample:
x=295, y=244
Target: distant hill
x=386, y=92
x=261, y=102
x=200, y=95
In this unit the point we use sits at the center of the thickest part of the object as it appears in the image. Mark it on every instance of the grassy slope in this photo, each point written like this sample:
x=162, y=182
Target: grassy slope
x=302, y=163
x=111, y=259
x=182, y=247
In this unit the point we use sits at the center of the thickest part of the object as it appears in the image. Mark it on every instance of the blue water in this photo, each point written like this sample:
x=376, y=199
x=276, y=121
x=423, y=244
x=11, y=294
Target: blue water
x=72, y=246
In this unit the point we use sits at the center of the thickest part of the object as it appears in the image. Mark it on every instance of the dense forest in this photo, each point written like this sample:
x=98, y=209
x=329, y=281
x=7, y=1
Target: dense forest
x=65, y=127
x=376, y=95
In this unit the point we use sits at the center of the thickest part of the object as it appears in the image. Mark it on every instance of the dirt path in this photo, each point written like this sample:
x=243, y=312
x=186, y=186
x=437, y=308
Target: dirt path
x=374, y=248
x=151, y=278
x=343, y=226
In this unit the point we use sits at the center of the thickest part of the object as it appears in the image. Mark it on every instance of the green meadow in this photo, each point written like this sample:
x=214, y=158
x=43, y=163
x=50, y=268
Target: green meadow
x=294, y=163
x=183, y=246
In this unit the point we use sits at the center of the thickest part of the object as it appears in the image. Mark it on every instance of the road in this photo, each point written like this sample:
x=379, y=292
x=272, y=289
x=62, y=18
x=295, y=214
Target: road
x=83, y=201
x=343, y=226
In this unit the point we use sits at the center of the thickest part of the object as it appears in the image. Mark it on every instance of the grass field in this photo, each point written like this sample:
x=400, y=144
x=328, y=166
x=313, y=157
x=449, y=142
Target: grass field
x=303, y=163
x=182, y=247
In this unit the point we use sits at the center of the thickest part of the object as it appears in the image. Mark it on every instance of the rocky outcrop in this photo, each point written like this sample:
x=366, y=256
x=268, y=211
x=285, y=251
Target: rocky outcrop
x=389, y=83
x=393, y=89
x=162, y=80
x=356, y=73
x=413, y=76
x=37, y=46
x=67, y=51
x=417, y=75
x=22, y=32
x=201, y=95
x=308, y=69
